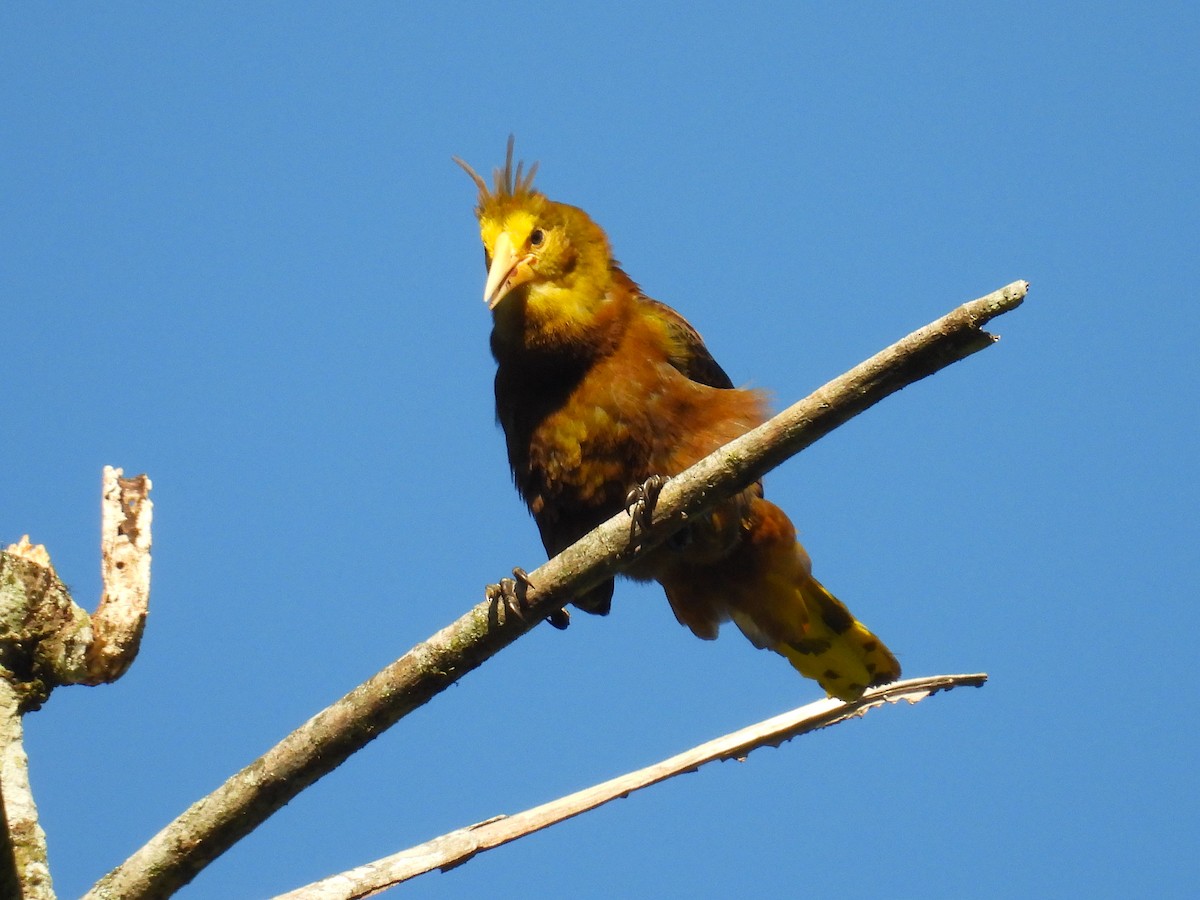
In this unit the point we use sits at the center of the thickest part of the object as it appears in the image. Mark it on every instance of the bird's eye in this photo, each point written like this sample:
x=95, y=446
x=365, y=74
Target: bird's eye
x=536, y=237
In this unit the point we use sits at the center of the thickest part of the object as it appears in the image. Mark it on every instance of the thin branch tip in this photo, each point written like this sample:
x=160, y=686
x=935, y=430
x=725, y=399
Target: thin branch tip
x=1006, y=299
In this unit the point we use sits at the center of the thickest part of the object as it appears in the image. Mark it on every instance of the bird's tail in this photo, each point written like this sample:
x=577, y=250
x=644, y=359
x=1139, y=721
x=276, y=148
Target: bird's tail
x=766, y=587
x=837, y=650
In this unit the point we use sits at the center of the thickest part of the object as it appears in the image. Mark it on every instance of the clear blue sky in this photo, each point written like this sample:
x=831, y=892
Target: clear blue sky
x=236, y=256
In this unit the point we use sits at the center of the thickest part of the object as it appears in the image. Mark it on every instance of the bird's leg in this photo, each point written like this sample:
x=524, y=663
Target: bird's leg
x=640, y=502
x=511, y=595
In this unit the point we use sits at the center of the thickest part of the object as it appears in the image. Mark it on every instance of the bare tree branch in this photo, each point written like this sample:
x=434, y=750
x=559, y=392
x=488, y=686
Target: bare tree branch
x=118, y=621
x=47, y=640
x=216, y=822
x=56, y=638
x=457, y=847
x=24, y=870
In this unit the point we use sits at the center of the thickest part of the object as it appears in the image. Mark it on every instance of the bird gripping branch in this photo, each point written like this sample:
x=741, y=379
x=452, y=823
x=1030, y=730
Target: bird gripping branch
x=601, y=391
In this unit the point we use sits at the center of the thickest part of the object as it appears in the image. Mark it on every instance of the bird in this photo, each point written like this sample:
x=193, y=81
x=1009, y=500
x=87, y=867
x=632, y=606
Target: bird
x=602, y=394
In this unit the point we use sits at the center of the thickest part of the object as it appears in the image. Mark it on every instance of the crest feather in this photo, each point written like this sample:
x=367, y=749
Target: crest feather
x=508, y=182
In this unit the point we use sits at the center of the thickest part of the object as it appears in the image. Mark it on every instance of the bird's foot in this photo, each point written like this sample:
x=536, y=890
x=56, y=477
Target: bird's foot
x=511, y=595
x=640, y=503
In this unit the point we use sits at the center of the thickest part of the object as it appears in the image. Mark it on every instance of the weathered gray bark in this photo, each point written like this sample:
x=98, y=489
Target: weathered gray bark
x=24, y=869
x=47, y=640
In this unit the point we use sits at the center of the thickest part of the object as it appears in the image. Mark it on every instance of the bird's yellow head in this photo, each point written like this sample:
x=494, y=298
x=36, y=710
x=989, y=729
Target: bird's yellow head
x=551, y=258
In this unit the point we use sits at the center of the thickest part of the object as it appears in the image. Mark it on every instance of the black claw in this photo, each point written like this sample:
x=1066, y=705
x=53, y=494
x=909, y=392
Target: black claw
x=640, y=503
x=508, y=598
x=511, y=595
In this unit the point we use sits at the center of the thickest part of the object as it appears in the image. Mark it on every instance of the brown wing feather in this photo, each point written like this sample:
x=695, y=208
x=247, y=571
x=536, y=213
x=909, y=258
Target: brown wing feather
x=695, y=362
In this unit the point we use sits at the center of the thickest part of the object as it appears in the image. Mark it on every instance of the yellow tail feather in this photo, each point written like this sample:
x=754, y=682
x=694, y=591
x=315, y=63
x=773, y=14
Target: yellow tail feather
x=837, y=651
